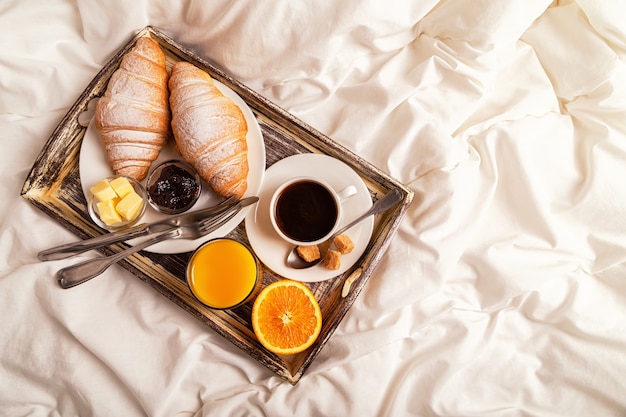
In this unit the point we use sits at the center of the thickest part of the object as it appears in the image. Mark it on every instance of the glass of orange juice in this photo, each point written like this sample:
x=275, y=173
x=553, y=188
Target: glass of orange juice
x=223, y=273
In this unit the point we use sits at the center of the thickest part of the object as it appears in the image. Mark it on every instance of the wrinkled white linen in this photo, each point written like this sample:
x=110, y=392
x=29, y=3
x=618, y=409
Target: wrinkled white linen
x=503, y=293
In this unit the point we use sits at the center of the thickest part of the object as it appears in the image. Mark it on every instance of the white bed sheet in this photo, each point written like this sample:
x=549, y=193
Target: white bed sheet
x=504, y=291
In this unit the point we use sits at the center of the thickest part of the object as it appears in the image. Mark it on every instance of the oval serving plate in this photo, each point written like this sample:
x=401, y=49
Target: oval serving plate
x=93, y=166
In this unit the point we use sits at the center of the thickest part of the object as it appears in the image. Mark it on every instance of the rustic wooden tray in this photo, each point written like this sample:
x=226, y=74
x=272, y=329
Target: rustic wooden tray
x=54, y=186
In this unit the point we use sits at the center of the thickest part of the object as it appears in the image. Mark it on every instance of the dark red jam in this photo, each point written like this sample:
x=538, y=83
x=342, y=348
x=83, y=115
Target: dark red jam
x=175, y=189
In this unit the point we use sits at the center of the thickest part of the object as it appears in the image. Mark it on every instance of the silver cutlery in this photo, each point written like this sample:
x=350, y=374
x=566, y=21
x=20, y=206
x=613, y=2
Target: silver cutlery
x=385, y=203
x=75, y=248
x=199, y=226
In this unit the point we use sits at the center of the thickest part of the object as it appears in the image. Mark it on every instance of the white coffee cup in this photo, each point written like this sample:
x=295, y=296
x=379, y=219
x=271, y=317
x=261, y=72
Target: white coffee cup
x=306, y=211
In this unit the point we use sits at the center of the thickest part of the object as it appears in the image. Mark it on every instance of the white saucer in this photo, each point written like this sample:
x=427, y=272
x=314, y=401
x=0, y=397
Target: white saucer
x=272, y=250
x=94, y=166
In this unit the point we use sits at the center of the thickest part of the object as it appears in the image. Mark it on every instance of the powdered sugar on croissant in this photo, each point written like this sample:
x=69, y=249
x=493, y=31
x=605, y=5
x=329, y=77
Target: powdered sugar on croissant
x=133, y=115
x=210, y=130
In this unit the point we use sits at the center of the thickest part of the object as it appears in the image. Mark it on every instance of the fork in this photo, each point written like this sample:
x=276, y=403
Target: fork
x=79, y=273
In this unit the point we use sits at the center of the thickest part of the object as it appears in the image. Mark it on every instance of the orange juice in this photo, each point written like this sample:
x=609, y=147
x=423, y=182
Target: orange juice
x=223, y=273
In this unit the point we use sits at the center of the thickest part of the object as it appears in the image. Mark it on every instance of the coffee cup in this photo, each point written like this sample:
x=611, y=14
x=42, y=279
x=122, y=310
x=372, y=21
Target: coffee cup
x=306, y=211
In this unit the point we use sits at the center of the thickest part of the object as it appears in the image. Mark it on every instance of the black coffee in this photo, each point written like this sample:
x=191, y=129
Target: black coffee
x=306, y=211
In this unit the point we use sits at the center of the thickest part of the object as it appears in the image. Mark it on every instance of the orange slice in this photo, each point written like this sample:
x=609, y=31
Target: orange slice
x=286, y=317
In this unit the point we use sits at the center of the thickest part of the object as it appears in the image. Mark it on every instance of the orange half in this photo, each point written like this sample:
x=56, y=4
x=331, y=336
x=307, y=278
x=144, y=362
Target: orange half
x=286, y=317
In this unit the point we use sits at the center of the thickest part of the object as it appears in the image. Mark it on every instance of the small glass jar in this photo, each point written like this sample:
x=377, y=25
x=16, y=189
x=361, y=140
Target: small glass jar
x=173, y=187
x=94, y=212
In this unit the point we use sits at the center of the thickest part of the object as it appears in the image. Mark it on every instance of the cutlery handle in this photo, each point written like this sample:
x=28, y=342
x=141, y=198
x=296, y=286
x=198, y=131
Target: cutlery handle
x=71, y=249
x=74, y=275
x=385, y=203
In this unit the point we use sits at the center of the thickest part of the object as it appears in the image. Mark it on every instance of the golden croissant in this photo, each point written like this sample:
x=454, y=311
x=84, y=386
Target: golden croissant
x=209, y=129
x=133, y=115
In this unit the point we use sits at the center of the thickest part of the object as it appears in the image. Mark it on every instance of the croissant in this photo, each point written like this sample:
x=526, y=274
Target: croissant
x=133, y=115
x=209, y=130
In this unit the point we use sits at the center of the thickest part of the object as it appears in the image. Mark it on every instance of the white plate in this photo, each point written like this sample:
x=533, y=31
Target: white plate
x=94, y=166
x=273, y=250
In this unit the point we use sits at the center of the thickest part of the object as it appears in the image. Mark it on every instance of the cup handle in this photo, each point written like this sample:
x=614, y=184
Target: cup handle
x=347, y=192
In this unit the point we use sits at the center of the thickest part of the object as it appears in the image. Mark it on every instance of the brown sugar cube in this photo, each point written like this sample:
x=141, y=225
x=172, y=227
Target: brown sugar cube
x=308, y=253
x=343, y=243
x=332, y=260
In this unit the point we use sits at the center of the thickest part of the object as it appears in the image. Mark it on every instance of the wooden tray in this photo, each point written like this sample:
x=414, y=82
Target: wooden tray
x=54, y=186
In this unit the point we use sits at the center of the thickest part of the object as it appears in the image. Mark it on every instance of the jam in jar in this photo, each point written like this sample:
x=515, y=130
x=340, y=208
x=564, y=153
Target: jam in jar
x=173, y=187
